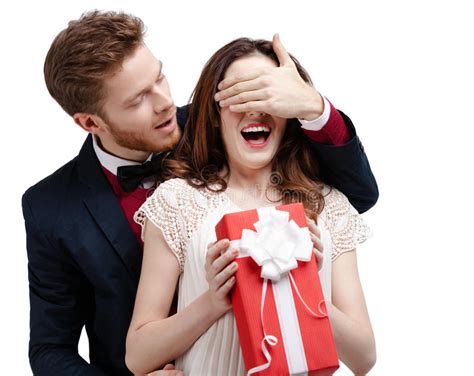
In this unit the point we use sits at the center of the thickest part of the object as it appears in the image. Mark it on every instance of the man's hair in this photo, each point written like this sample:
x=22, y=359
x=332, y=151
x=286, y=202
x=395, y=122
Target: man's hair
x=87, y=52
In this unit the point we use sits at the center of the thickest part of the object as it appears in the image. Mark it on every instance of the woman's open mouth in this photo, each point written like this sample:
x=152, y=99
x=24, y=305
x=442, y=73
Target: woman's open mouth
x=256, y=135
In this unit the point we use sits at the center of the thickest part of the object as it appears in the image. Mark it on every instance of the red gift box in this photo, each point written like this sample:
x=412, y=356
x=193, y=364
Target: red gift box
x=304, y=340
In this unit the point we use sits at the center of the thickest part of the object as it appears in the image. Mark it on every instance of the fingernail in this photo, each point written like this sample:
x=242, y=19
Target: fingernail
x=216, y=97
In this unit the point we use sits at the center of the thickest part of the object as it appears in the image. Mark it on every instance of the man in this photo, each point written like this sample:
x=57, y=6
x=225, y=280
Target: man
x=84, y=249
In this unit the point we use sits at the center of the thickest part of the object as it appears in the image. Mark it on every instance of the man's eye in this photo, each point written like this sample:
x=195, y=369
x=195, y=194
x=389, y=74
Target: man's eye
x=138, y=101
x=159, y=79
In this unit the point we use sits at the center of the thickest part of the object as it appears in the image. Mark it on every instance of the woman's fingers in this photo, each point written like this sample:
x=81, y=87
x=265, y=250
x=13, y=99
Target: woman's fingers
x=315, y=234
x=224, y=290
x=220, y=263
x=221, y=278
x=319, y=258
x=215, y=249
x=214, y=257
x=317, y=243
x=312, y=227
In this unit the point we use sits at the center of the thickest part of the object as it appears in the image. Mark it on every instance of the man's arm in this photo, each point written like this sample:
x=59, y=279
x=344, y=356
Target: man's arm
x=343, y=162
x=284, y=93
x=335, y=144
x=58, y=298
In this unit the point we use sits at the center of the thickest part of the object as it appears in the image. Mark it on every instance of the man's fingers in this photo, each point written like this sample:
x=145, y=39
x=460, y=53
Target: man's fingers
x=262, y=106
x=239, y=87
x=256, y=95
x=172, y=372
x=168, y=370
x=247, y=76
x=280, y=50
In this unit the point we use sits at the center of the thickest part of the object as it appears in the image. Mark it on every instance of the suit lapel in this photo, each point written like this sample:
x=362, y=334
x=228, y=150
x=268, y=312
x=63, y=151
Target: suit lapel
x=104, y=207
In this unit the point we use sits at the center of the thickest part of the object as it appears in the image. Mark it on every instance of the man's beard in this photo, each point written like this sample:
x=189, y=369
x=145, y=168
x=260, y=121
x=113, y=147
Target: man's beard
x=135, y=142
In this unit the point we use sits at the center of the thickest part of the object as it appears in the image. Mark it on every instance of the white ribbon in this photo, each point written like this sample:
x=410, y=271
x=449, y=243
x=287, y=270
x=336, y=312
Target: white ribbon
x=277, y=244
x=271, y=340
x=290, y=330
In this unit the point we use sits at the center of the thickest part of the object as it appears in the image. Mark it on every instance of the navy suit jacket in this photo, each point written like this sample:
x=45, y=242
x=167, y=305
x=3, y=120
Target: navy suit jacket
x=84, y=261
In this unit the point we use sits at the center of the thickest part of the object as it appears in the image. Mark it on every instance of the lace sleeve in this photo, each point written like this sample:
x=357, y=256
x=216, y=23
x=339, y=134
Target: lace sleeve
x=346, y=226
x=162, y=209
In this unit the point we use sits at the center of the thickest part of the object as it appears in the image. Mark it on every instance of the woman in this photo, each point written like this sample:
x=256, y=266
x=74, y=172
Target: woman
x=228, y=162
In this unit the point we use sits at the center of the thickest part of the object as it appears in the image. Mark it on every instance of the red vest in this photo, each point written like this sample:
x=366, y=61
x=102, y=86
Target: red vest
x=129, y=202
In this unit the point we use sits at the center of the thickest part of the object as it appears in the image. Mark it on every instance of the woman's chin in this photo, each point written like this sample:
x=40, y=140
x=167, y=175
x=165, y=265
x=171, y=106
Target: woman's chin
x=255, y=162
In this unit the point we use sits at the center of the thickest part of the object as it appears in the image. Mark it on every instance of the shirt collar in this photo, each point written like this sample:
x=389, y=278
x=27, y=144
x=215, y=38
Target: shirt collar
x=111, y=162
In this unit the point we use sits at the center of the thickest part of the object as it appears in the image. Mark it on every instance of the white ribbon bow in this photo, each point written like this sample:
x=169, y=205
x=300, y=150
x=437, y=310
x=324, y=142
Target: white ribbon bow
x=277, y=244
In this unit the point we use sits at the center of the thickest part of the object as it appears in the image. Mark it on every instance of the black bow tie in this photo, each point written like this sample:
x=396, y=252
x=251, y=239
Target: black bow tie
x=130, y=177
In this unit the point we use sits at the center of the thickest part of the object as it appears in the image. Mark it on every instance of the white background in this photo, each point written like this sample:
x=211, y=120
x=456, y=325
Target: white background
x=402, y=70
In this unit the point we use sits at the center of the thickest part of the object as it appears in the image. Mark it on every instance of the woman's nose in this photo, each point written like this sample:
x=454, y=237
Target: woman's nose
x=256, y=114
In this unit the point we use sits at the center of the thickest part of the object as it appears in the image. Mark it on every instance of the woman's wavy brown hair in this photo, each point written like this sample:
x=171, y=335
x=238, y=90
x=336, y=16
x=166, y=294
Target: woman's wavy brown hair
x=200, y=157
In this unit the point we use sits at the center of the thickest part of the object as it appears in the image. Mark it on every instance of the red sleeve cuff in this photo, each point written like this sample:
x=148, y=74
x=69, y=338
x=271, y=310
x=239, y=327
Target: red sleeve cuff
x=334, y=132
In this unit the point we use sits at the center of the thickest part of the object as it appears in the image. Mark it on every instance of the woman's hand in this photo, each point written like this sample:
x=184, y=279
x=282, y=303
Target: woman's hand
x=220, y=269
x=315, y=235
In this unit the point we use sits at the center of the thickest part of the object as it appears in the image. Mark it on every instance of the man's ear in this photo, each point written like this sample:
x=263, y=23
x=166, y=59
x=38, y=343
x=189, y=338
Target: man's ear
x=90, y=123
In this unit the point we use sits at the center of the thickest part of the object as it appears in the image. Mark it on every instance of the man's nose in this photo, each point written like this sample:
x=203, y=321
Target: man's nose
x=162, y=100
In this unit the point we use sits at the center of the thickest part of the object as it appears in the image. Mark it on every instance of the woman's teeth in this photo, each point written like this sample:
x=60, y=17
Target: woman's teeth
x=256, y=129
x=256, y=135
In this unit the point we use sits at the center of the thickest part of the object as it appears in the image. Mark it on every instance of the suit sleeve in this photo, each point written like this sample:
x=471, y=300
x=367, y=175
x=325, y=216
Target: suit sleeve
x=57, y=305
x=347, y=168
x=182, y=116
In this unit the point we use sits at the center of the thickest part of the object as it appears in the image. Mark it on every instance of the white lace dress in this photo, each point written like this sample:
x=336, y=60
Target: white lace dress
x=187, y=218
